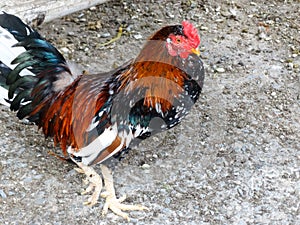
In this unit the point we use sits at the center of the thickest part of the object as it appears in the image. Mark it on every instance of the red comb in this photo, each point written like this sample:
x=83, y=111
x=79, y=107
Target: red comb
x=191, y=32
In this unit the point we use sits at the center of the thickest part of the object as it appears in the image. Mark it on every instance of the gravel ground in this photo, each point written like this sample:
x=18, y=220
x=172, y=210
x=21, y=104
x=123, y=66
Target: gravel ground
x=234, y=160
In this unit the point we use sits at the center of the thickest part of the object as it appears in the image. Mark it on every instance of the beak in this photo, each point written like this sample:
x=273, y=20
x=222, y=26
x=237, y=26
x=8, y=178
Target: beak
x=195, y=51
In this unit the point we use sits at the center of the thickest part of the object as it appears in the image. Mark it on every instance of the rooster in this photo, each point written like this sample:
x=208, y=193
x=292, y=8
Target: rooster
x=94, y=117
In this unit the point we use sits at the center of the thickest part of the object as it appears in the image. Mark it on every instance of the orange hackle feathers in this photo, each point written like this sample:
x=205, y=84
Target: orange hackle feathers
x=157, y=72
x=162, y=82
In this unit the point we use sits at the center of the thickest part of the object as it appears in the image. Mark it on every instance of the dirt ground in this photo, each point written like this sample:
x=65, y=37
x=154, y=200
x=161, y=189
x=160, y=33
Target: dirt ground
x=234, y=160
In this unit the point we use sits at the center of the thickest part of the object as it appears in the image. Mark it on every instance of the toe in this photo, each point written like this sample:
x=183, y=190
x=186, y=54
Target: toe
x=119, y=212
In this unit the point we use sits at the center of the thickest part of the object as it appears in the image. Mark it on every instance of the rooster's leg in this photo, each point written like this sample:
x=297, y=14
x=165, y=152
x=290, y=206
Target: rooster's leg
x=111, y=200
x=94, y=181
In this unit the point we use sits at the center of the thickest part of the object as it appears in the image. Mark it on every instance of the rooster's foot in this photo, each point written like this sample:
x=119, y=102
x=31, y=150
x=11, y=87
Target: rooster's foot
x=111, y=200
x=94, y=181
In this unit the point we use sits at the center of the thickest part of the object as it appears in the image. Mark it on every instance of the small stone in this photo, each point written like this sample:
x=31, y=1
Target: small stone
x=290, y=65
x=268, y=38
x=262, y=35
x=170, y=15
x=219, y=20
x=167, y=200
x=64, y=50
x=273, y=94
x=203, y=28
x=233, y=12
x=138, y=36
x=2, y=194
x=280, y=107
x=105, y=35
x=145, y=166
x=80, y=15
x=225, y=14
x=220, y=70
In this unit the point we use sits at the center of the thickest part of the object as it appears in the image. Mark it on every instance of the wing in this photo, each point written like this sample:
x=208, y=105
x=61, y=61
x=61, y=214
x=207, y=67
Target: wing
x=79, y=116
x=156, y=102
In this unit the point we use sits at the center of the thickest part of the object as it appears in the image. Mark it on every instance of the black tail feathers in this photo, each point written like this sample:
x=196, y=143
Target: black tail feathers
x=36, y=68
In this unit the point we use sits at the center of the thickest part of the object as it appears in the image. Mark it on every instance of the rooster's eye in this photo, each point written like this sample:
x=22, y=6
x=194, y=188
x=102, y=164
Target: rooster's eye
x=178, y=40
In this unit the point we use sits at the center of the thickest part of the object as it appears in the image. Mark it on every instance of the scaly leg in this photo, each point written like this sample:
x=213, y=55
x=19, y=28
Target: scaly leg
x=111, y=200
x=94, y=181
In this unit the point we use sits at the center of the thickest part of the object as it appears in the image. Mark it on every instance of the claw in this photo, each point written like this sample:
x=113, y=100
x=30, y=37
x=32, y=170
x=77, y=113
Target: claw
x=112, y=202
x=95, y=184
x=88, y=189
x=94, y=181
x=79, y=170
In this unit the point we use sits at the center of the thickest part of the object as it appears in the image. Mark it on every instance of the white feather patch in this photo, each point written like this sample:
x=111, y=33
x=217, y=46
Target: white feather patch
x=115, y=151
x=93, y=125
x=125, y=138
x=90, y=152
x=140, y=130
x=94, y=149
x=9, y=53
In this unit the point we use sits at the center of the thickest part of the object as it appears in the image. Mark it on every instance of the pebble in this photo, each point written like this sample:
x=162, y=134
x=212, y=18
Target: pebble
x=80, y=15
x=268, y=38
x=2, y=194
x=225, y=14
x=273, y=93
x=220, y=70
x=145, y=166
x=170, y=15
x=105, y=35
x=138, y=36
x=219, y=20
x=64, y=50
x=233, y=12
x=155, y=156
x=203, y=28
x=262, y=35
x=290, y=65
x=167, y=200
x=280, y=107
